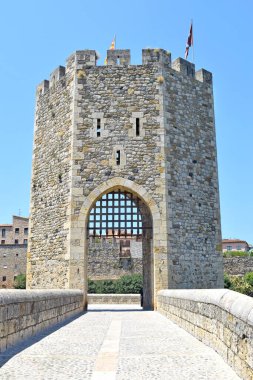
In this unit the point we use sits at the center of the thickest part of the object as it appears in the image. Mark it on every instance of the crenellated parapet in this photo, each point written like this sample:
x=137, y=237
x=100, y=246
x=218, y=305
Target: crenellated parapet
x=122, y=57
x=42, y=87
x=56, y=75
x=203, y=75
x=118, y=57
x=150, y=56
x=184, y=67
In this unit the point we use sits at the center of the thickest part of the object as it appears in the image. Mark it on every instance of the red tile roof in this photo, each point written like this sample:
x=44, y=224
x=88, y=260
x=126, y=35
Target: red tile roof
x=234, y=241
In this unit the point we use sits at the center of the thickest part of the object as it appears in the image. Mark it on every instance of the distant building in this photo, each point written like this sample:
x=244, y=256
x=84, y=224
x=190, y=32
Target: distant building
x=13, y=250
x=234, y=245
x=15, y=233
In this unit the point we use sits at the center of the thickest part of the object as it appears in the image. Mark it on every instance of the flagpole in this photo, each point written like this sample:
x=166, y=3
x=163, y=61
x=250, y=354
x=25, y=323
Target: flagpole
x=193, y=57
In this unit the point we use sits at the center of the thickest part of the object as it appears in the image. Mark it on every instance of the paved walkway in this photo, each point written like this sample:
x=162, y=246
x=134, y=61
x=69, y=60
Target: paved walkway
x=118, y=344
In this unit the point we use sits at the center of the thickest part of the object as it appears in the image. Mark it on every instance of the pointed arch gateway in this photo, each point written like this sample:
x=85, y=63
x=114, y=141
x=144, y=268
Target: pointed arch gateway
x=148, y=225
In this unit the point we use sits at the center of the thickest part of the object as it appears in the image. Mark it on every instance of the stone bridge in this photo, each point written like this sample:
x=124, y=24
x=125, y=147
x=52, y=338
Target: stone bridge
x=48, y=335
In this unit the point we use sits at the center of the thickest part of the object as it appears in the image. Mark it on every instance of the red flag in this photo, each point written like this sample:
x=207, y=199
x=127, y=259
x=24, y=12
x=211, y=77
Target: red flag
x=189, y=42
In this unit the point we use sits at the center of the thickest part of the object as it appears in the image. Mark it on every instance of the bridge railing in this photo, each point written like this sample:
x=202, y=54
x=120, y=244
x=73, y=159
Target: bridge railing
x=24, y=313
x=220, y=318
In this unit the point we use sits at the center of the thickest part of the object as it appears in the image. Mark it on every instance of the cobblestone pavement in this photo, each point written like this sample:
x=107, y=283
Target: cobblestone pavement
x=115, y=344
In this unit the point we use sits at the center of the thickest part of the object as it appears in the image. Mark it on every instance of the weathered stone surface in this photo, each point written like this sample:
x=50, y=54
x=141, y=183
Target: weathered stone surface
x=220, y=318
x=238, y=265
x=23, y=313
x=133, y=299
x=171, y=165
x=106, y=262
x=12, y=263
x=119, y=342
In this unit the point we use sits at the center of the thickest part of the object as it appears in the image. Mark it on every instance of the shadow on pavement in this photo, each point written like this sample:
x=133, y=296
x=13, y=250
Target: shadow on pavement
x=28, y=342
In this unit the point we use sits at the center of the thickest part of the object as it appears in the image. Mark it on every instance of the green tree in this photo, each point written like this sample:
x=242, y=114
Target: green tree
x=20, y=281
x=227, y=281
x=249, y=278
x=126, y=284
x=129, y=284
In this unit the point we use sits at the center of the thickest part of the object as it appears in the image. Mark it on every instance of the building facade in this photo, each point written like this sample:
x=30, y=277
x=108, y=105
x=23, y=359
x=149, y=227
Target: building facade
x=15, y=233
x=13, y=250
x=145, y=132
x=234, y=245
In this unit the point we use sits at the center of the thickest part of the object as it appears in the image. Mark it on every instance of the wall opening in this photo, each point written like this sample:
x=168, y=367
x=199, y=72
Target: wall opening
x=120, y=240
x=137, y=127
x=118, y=157
x=98, y=127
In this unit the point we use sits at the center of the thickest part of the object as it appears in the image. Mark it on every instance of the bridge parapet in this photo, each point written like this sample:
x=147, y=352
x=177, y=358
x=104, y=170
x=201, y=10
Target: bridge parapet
x=220, y=318
x=134, y=299
x=23, y=313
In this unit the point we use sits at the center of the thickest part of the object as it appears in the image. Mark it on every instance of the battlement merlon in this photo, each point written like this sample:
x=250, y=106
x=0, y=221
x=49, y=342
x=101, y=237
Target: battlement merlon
x=187, y=68
x=56, y=75
x=204, y=76
x=156, y=56
x=42, y=87
x=118, y=57
x=122, y=57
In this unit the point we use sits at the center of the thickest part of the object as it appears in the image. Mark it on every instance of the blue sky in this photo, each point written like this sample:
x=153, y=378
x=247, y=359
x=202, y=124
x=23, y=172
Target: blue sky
x=37, y=36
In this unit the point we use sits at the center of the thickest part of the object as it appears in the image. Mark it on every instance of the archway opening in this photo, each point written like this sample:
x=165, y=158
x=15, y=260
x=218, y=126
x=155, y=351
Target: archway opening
x=120, y=240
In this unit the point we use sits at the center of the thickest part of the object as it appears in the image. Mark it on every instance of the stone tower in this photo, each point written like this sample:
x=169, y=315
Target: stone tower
x=144, y=129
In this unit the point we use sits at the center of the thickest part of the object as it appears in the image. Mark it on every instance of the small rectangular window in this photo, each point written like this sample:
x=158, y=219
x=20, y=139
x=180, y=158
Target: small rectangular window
x=4, y=278
x=98, y=127
x=2, y=241
x=118, y=157
x=16, y=230
x=26, y=231
x=137, y=126
x=16, y=241
x=16, y=254
x=25, y=241
x=3, y=232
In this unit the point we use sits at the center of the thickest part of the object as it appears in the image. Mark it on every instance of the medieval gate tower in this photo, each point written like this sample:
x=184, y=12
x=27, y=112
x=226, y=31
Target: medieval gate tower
x=135, y=137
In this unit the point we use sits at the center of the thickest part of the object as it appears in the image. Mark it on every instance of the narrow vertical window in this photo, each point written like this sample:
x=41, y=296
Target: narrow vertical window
x=98, y=127
x=137, y=127
x=118, y=157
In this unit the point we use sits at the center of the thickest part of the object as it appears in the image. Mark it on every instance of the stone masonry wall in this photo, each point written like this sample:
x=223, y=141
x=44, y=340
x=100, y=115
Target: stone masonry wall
x=23, y=313
x=12, y=263
x=22, y=224
x=104, y=261
x=18, y=231
x=48, y=261
x=195, y=258
x=117, y=95
x=114, y=299
x=220, y=318
x=238, y=265
x=171, y=165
